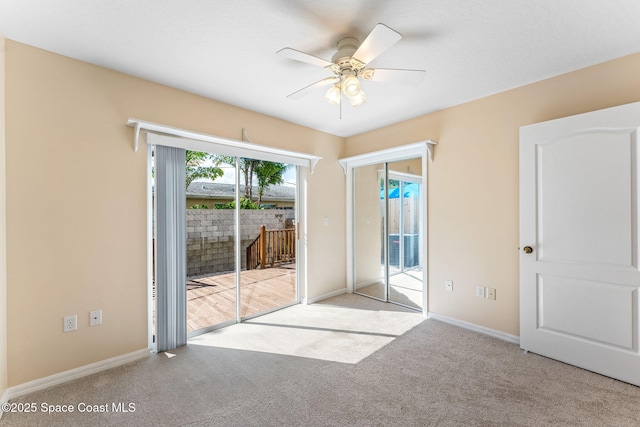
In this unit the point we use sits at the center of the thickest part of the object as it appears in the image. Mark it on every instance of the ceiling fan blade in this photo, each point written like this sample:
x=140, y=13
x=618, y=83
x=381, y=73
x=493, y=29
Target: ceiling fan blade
x=379, y=39
x=290, y=53
x=313, y=86
x=408, y=77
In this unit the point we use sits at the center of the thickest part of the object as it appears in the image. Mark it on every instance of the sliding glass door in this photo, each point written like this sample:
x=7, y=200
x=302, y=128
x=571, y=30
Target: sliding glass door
x=227, y=256
x=236, y=219
x=241, y=242
x=267, y=227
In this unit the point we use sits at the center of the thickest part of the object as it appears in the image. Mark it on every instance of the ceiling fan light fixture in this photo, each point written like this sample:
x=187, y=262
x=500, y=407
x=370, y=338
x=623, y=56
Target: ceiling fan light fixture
x=333, y=95
x=349, y=66
x=351, y=86
x=359, y=99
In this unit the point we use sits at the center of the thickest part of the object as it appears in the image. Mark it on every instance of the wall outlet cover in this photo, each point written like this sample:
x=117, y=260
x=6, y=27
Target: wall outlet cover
x=70, y=323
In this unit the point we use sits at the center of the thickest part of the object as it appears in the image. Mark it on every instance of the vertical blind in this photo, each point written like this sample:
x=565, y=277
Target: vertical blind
x=170, y=197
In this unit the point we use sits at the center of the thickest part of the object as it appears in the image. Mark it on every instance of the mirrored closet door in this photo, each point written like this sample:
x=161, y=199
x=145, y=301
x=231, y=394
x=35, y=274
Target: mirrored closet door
x=387, y=227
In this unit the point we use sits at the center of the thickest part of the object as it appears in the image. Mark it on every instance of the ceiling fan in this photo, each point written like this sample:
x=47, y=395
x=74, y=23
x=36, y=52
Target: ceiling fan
x=349, y=65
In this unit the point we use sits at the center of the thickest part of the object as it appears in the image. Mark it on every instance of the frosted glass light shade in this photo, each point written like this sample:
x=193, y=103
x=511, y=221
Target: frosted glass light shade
x=351, y=86
x=359, y=99
x=333, y=95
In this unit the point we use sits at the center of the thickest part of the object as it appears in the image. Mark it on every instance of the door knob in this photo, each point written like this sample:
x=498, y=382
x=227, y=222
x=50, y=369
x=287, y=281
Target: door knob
x=527, y=249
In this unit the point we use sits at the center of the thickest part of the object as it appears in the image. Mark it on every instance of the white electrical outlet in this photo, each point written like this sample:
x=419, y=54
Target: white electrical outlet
x=95, y=317
x=70, y=323
x=480, y=291
x=448, y=285
x=491, y=293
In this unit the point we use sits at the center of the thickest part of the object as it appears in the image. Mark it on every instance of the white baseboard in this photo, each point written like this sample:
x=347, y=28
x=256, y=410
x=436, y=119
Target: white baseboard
x=476, y=328
x=307, y=301
x=72, y=374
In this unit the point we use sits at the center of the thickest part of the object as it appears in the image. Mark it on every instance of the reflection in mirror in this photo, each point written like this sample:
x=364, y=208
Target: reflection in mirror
x=368, y=226
x=404, y=233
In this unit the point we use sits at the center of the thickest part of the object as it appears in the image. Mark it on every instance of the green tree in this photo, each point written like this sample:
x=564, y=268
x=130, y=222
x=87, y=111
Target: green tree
x=247, y=167
x=195, y=167
x=266, y=173
x=269, y=173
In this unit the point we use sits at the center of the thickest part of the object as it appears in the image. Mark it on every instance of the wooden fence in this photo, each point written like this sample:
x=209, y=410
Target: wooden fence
x=272, y=247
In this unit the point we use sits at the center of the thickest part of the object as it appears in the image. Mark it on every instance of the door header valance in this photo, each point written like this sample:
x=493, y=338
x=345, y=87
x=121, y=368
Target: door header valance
x=397, y=153
x=158, y=134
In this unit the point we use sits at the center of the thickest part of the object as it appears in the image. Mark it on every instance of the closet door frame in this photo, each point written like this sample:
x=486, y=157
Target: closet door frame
x=423, y=150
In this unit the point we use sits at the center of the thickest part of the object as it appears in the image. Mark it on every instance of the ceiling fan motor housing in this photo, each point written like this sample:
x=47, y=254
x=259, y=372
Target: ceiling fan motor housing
x=346, y=48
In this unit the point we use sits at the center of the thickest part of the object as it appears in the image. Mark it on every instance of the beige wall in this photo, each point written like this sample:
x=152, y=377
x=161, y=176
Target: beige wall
x=473, y=182
x=66, y=135
x=3, y=232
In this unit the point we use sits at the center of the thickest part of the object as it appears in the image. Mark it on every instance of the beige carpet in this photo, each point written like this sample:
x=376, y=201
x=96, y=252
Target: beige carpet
x=428, y=374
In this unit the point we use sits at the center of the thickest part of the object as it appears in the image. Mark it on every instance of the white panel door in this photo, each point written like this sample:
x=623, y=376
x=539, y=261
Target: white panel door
x=579, y=274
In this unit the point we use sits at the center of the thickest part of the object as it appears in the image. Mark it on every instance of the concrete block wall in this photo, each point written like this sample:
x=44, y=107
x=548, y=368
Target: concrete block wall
x=210, y=236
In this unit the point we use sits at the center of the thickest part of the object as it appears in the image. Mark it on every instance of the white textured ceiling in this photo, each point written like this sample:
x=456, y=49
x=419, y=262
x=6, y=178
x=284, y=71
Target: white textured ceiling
x=225, y=50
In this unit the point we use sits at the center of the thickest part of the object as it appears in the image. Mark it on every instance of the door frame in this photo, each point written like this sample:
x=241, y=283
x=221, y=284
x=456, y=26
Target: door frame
x=424, y=150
